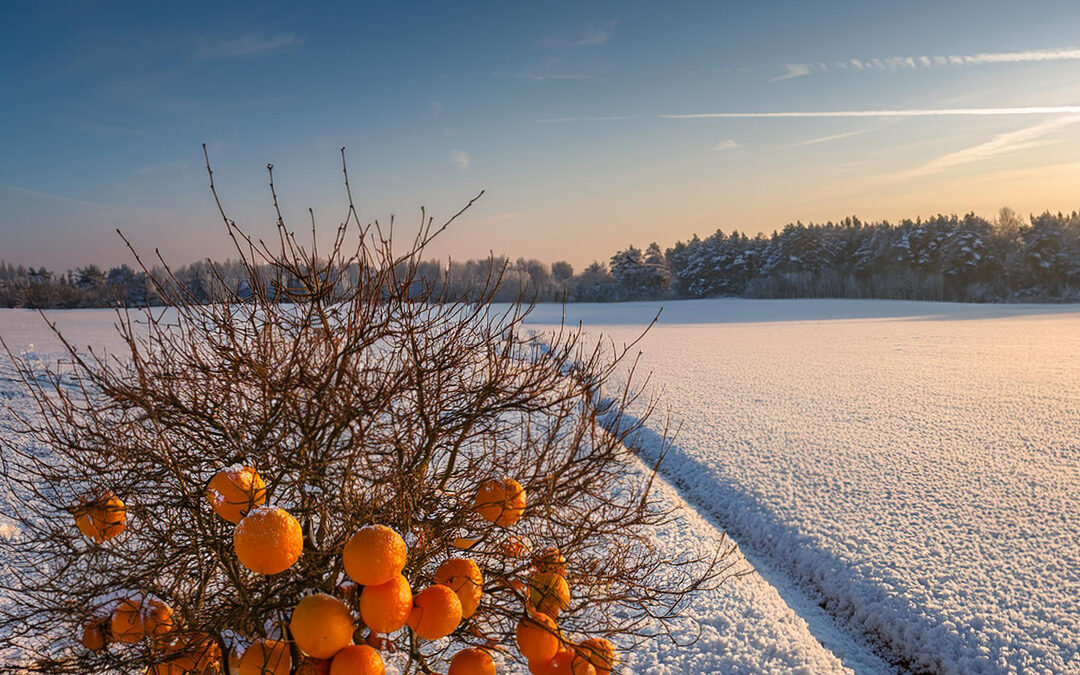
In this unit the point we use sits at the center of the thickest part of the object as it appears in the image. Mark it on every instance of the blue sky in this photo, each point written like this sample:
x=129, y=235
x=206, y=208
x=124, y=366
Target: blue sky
x=590, y=124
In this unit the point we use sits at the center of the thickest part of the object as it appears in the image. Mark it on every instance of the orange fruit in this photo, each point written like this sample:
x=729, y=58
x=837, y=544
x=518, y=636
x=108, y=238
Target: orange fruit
x=321, y=625
x=551, y=560
x=549, y=593
x=537, y=637
x=600, y=653
x=266, y=657
x=500, y=501
x=197, y=653
x=436, y=612
x=139, y=616
x=93, y=637
x=268, y=540
x=472, y=662
x=235, y=491
x=385, y=608
x=374, y=555
x=563, y=663
x=463, y=576
x=579, y=666
x=556, y=665
x=102, y=518
x=357, y=660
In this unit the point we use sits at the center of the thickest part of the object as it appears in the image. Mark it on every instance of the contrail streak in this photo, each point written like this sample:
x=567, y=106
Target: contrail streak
x=929, y=112
x=807, y=114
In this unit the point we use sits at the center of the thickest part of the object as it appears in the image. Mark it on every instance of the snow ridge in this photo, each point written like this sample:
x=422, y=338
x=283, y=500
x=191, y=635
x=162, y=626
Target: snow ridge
x=821, y=577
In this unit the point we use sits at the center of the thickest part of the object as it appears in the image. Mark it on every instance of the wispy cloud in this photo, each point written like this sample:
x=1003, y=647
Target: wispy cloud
x=1010, y=142
x=1008, y=57
x=66, y=200
x=460, y=159
x=726, y=144
x=915, y=112
x=828, y=139
x=897, y=63
x=791, y=71
x=244, y=45
x=593, y=35
x=918, y=112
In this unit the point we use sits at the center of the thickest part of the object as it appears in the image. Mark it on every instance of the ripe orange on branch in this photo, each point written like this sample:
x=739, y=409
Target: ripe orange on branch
x=436, y=612
x=266, y=657
x=472, y=662
x=549, y=593
x=462, y=576
x=102, y=518
x=500, y=501
x=234, y=491
x=140, y=616
x=321, y=626
x=357, y=660
x=268, y=540
x=564, y=662
x=600, y=653
x=385, y=608
x=374, y=555
x=537, y=637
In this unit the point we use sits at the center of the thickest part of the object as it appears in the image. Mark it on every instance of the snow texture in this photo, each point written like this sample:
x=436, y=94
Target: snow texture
x=913, y=467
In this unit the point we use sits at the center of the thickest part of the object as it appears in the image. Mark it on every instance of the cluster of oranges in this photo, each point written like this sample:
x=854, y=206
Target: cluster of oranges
x=267, y=540
x=134, y=616
x=547, y=593
x=323, y=628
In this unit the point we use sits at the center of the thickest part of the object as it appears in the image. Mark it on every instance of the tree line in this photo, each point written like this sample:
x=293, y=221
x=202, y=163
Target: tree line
x=951, y=258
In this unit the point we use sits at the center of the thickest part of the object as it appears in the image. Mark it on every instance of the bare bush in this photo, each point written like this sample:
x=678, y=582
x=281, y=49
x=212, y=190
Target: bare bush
x=360, y=397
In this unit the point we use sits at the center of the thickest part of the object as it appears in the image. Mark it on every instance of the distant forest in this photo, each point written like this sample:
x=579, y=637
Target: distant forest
x=952, y=258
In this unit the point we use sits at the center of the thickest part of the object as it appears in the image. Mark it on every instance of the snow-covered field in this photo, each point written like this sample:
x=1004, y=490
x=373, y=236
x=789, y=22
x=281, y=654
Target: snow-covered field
x=903, y=476
x=913, y=467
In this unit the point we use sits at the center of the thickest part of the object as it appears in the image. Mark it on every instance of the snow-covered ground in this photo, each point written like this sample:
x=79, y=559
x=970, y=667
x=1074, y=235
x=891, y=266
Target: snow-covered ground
x=745, y=626
x=913, y=467
x=904, y=476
